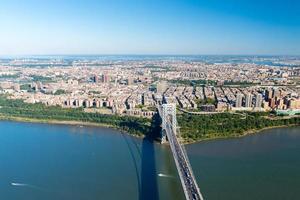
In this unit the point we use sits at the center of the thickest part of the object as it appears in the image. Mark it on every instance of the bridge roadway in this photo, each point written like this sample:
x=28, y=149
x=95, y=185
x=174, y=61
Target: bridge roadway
x=188, y=181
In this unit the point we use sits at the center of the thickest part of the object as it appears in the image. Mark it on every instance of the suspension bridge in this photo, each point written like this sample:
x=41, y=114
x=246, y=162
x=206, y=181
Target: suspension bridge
x=190, y=187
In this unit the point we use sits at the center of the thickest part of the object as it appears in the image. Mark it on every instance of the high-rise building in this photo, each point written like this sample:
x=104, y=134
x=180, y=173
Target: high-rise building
x=268, y=94
x=280, y=104
x=294, y=103
x=17, y=87
x=276, y=93
x=272, y=103
x=161, y=87
x=130, y=81
x=239, y=100
x=39, y=85
x=95, y=79
x=258, y=101
x=248, y=101
x=105, y=78
x=265, y=105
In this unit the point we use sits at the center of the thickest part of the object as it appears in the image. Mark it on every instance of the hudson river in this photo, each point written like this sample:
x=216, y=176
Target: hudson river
x=61, y=162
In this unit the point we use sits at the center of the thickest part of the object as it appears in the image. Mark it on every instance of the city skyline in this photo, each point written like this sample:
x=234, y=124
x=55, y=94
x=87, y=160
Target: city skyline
x=150, y=27
x=150, y=99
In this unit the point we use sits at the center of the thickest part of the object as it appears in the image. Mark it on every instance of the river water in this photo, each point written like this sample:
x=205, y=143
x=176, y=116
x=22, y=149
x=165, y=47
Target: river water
x=61, y=162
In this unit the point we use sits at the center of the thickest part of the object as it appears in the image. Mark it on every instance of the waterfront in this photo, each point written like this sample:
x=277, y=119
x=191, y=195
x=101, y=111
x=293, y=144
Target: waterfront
x=264, y=166
x=42, y=161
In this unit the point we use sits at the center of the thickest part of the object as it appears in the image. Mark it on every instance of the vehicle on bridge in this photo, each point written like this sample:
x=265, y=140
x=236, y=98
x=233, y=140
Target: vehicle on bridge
x=169, y=133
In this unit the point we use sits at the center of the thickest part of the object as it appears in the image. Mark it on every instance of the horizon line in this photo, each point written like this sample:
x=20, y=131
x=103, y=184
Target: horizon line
x=142, y=54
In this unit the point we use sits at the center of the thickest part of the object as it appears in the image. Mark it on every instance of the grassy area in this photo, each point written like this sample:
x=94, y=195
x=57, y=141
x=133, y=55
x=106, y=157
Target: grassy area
x=36, y=78
x=19, y=109
x=26, y=87
x=225, y=125
x=10, y=76
x=192, y=127
x=193, y=82
x=59, y=92
x=240, y=83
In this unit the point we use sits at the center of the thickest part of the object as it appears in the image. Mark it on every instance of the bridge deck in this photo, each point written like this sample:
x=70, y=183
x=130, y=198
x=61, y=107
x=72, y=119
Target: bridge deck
x=188, y=181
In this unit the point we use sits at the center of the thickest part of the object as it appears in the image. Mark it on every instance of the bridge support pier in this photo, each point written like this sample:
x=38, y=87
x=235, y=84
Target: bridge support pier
x=168, y=114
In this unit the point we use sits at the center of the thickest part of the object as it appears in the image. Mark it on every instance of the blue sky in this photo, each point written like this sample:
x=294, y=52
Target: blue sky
x=266, y=27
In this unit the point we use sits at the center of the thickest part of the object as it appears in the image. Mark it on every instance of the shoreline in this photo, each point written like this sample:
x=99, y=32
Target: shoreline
x=246, y=133
x=94, y=124
x=64, y=122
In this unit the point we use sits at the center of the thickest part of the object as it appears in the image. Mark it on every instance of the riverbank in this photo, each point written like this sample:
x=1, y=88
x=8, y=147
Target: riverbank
x=92, y=124
x=38, y=112
x=46, y=121
x=195, y=128
x=244, y=134
x=64, y=122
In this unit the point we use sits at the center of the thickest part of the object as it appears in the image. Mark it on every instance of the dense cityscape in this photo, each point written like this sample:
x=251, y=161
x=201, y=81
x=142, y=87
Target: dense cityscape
x=149, y=100
x=134, y=86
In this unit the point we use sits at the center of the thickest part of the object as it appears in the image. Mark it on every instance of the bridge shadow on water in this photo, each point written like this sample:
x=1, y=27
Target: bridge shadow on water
x=148, y=176
x=145, y=167
x=149, y=187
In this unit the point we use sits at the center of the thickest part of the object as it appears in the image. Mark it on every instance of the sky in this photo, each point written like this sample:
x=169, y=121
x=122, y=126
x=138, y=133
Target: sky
x=227, y=27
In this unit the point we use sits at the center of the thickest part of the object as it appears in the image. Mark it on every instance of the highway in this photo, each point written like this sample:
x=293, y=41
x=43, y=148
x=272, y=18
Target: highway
x=187, y=178
x=188, y=181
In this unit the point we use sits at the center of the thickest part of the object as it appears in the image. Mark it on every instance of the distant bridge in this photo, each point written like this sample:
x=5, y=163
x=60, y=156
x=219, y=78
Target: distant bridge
x=167, y=113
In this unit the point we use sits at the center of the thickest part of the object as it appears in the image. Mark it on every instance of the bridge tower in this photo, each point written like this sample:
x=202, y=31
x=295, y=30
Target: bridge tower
x=168, y=115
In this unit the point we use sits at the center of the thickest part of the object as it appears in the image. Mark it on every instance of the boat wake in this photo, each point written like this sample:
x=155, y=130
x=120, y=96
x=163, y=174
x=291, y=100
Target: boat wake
x=164, y=175
x=15, y=184
x=19, y=184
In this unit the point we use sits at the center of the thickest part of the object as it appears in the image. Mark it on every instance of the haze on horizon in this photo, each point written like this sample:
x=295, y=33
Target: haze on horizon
x=149, y=27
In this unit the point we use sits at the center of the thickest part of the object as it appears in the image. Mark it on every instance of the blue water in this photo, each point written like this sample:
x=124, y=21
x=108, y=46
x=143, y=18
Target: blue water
x=264, y=166
x=40, y=161
x=234, y=59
